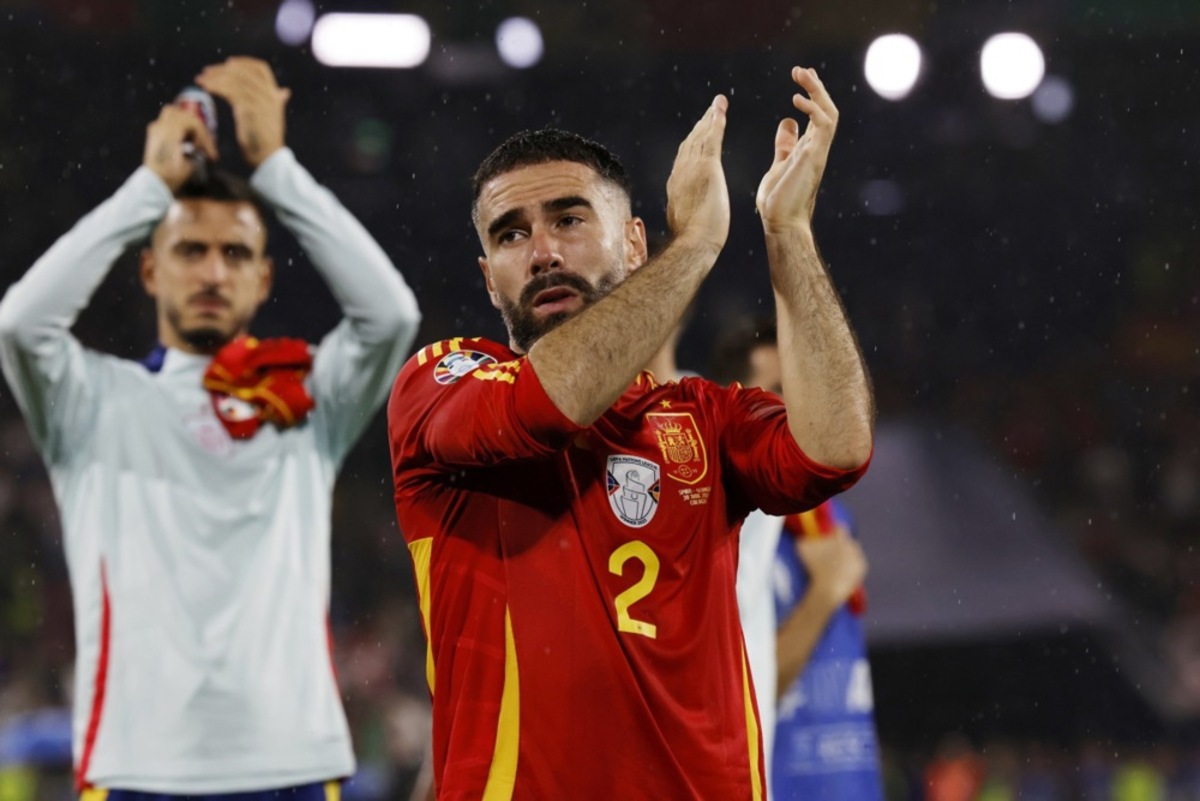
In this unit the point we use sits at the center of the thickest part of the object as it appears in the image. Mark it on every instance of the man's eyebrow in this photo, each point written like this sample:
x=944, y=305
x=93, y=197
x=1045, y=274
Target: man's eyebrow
x=188, y=243
x=564, y=203
x=503, y=221
x=558, y=204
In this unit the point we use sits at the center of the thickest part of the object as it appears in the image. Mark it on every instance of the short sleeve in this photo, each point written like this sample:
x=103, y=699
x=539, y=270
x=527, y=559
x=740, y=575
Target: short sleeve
x=463, y=403
x=766, y=468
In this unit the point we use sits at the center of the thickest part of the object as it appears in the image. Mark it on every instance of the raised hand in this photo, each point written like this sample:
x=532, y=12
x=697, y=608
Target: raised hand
x=258, y=103
x=787, y=193
x=697, y=197
x=164, y=152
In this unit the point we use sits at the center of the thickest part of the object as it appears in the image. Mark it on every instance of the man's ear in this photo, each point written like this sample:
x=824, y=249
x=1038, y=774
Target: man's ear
x=636, y=249
x=146, y=271
x=487, y=280
x=266, y=280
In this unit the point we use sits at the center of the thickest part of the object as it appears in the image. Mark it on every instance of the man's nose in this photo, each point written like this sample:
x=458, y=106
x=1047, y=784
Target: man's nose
x=544, y=253
x=215, y=270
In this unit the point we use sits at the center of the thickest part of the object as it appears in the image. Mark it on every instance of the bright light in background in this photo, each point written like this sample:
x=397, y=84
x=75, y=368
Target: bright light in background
x=294, y=21
x=892, y=65
x=371, y=40
x=1053, y=100
x=1012, y=66
x=519, y=41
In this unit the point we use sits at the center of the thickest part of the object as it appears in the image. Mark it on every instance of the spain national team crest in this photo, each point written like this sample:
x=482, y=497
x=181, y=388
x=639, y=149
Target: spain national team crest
x=633, y=489
x=458, y=363
x=682, y=446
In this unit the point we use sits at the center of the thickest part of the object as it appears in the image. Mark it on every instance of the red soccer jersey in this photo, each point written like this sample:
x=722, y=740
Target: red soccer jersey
x=577, y=585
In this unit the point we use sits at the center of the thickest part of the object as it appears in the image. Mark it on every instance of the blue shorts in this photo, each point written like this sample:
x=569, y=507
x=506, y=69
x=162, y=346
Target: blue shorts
x=317, y=791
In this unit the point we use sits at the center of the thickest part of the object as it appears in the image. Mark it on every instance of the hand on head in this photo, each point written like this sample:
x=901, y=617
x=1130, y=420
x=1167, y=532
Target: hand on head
x=787, y=193
x=258, y=103
x=165, y=137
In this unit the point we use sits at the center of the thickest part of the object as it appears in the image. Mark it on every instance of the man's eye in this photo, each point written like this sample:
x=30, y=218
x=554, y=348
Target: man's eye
x=569, y=220
x=509, y=236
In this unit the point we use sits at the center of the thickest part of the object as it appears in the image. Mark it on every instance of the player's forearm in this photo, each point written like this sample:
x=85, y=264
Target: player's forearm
x=46, y=301
x=373, y=295
x=825, y=384
x=797, y=637
x=586, y=363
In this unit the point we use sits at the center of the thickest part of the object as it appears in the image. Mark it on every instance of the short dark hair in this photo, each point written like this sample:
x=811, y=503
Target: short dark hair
x=731, y=353
x=223, y=186
x=549, y=144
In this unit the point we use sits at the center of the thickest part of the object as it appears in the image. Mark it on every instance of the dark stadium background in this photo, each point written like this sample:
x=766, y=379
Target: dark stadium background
x=1033, y=298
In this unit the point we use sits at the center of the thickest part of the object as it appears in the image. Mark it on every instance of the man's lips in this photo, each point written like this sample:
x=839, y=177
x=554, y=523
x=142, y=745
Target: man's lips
x=208, y=304
x=555, y=299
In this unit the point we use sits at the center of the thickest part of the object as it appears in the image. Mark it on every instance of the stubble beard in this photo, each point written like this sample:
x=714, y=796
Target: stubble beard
x=525, y=327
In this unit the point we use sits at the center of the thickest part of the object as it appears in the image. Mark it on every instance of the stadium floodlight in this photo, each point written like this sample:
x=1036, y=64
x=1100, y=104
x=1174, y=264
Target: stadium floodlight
x=371, y=40
x=1012, y=66
x=1053, y=100
x=294, y=21
x=892, y=65
x=519, y=41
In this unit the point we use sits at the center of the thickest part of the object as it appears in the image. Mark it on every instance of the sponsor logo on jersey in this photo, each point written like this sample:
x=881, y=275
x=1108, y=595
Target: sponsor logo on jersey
x=633, y=489
x=456, y=364
x=682, y=447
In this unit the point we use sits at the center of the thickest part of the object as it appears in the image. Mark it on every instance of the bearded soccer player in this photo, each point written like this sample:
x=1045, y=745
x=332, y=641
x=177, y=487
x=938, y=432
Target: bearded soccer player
x=573, y=524
x=195, y=487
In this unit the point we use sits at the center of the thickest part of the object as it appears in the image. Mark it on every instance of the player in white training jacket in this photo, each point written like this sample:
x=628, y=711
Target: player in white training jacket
x=195, y=488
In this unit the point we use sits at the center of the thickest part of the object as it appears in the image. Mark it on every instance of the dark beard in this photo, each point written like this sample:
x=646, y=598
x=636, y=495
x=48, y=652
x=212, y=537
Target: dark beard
x=204, y=339
x=526, y=328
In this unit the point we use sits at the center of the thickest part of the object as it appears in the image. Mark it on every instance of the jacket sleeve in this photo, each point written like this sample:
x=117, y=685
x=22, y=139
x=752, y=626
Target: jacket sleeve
x=44, y=364
x=357, y=361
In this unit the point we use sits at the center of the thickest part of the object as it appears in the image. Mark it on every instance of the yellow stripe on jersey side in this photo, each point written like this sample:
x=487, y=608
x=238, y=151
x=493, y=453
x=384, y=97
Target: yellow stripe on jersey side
x=333, y=791
x=751, y=730
x=422, y=553
x=809, y=523
x=502, y=776
x=94, y=794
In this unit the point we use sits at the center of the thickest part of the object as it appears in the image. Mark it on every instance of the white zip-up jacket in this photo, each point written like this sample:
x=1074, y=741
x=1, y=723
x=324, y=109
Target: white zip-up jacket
x=200, y=565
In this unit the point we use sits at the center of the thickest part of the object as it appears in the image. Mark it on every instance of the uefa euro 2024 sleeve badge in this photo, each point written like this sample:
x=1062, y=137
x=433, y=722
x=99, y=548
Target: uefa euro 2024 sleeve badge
x=633, y=489
x=459, y=363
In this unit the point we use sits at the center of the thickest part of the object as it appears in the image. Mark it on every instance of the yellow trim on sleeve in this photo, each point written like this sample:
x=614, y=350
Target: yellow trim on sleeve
x=333, y=791
x=422, y=554
x=751, y=730
x=94, y=794
x=502, y=776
